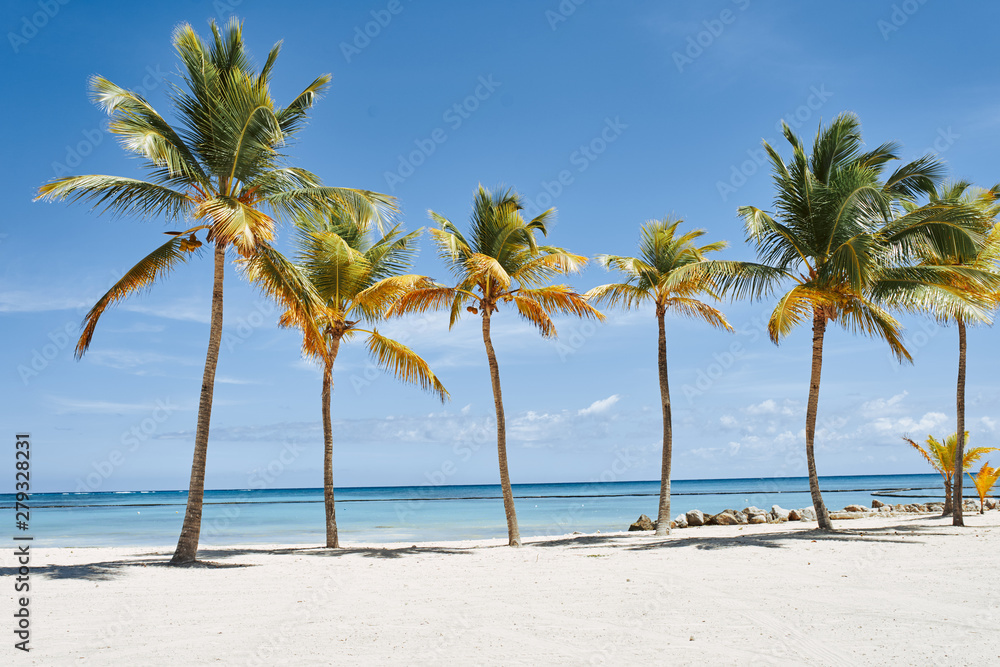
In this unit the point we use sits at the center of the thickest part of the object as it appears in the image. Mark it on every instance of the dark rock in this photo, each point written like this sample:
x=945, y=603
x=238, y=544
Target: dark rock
x=642, y=523
x=855, y=508
x=876, y=504
x=793, y=515
x=723, y=518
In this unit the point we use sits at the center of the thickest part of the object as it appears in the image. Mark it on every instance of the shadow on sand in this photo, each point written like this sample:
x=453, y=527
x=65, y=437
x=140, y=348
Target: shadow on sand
x=219, y=558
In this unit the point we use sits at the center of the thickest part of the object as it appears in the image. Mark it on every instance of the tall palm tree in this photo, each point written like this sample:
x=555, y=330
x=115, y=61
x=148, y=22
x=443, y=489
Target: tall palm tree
x=963, y=301
x=345, y=276
x=221, y=167
x=500, y=262
x=838, y=233
x=942, y=458
x=666, y=274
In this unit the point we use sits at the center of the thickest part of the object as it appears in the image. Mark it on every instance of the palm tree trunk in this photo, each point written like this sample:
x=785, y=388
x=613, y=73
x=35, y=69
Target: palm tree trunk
x=663, y=516
x=956, y=516
x=947, y=498
x=513, y=534
x=332, y=541
x=819, y=329
x=187, y=543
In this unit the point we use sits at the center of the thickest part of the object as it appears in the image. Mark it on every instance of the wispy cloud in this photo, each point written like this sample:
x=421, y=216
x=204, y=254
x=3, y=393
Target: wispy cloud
x=131, y=359
x=24, y=301
x=597, y=407
x=68, y=405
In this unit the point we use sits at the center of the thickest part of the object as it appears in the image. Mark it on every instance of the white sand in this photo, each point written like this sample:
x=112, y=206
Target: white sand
x=882, y=591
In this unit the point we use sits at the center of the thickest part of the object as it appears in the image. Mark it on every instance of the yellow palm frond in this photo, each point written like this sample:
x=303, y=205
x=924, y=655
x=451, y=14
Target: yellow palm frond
x=795, y=307
x=615, y=294
x=696, y=309
x=424, y=299
x=376, y=300
x=483, y=269
x=562, y=299
x=935, y=460
x=984, y=481
x=404, y=363
x=556, y=262
x=139, y=277
x=533, y=311
x=237, y=223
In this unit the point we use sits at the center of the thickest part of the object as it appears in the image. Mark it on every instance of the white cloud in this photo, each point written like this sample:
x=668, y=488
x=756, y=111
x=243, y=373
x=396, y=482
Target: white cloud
x=882, y=406
x=904, y=425
x=129, y=359
x=768, y=407
x=597, y=407
x=23, y=301
x=64, y=405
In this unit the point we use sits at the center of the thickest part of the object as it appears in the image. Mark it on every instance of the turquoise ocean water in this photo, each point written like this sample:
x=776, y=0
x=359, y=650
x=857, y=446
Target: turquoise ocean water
x=428, y=513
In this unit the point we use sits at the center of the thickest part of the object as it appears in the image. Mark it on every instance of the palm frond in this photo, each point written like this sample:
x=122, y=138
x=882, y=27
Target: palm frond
x=120, y=196
x=404, y=363
x=140, y=277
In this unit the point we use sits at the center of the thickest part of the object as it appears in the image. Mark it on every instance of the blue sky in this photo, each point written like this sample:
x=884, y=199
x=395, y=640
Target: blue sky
x=642, y=110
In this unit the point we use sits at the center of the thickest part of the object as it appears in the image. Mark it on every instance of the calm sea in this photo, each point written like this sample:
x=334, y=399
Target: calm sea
x=428, y=513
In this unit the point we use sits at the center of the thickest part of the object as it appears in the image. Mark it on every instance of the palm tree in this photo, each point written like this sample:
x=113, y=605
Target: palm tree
x=838, y=233
x=663, y=275
x=963, y=301
x=942, y=458
x=222, y=167
x=984, y=481
x=500, y=262
x=344, y=277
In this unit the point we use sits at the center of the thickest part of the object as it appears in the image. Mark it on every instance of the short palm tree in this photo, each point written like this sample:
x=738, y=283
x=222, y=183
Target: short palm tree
x=222, y=168
x=500, y=261
x=838, y=234
x=964, y=300
x=984, y=481
x=941, y=456
x=665, y=274
x=345, y=276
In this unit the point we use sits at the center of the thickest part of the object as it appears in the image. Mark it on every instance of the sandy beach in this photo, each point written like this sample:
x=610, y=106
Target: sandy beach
x=894, y=590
